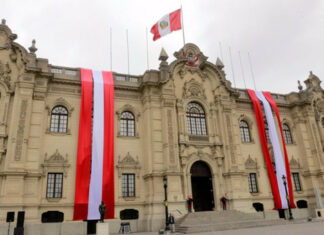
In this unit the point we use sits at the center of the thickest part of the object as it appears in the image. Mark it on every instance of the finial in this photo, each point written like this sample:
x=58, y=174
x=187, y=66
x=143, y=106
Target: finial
x=163, y=55
x=219, y=63
x=3, y=21
x=300, y=87
x=33, y=49
x=310, y=73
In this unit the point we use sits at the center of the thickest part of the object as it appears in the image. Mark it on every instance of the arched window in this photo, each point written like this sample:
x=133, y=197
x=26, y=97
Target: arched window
x=127, y=124
x=59, y=119
x=245, y=132
x=286, y=134
x=196, y=120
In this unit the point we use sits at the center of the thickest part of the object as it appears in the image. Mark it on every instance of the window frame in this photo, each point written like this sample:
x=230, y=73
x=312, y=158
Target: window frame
x=127, y=193
x=296, y=181
x=60, y=119
x=266, y=130
x=287, y=134
x=128, y=122
x=245, y=132
x=196, y=121
x=253, y=186
x=54, y=185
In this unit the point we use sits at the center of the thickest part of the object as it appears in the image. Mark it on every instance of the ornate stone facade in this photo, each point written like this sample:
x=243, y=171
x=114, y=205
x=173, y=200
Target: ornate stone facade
x=161, y=146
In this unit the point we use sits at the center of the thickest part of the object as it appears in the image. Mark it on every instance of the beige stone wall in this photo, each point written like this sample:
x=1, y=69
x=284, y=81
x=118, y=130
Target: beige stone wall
x=30, y=88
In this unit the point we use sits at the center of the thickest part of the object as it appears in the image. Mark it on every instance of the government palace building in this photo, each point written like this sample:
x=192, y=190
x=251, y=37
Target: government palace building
x=184, y=121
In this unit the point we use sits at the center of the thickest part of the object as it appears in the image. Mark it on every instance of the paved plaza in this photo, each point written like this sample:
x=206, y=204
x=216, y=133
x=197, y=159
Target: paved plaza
x=310, y=228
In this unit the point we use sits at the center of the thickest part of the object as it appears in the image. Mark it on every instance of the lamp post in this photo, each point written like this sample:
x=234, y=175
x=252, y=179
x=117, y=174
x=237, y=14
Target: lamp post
x=165, y=185
x=287, y=197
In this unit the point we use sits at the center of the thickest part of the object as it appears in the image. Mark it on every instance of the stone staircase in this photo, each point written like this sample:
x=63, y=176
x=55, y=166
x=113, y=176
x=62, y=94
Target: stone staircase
x=222, y=220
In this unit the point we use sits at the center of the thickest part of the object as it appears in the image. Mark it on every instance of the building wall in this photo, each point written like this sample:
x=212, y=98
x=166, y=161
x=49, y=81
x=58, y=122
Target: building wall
x=30, y=88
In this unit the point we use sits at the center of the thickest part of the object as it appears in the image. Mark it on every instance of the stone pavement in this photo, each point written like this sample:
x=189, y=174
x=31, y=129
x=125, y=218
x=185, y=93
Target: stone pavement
x=309, y=228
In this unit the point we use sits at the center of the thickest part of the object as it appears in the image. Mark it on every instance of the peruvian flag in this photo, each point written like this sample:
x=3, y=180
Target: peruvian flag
x=167, y=24
x=95, y=158
x=281, y=168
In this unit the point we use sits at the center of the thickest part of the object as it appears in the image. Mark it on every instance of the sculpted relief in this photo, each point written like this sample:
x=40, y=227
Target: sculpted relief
x=5, y=72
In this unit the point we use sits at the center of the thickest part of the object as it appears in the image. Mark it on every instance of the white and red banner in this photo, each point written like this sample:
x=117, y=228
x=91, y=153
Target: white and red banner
x=167, y=24
x=95, y=160
x=279, y=148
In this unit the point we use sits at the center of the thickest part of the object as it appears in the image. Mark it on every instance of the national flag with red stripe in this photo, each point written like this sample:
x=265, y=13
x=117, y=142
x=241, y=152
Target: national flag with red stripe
x=167, y=24
x=280, y=170
x=95, y=156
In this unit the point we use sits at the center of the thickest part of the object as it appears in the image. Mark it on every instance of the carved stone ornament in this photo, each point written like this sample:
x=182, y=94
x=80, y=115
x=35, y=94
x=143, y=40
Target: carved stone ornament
x=250, y=163
x=294, y=163
x=4, y=42
x=128, y=163
x=56, y=162
x=192, y=59
x=193, y=89
x=5, y=72
x=192, y=55
x=6, y=36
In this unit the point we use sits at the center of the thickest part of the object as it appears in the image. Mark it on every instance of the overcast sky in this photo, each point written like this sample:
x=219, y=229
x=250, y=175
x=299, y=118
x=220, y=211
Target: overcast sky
x=285, y=39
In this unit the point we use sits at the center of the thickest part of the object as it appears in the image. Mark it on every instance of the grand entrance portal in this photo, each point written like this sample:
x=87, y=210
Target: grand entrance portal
x=202, y=188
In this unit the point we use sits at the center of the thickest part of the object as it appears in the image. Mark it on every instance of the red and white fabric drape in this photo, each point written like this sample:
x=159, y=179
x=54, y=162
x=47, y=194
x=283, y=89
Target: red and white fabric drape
x=279, y=148
x=95, y=160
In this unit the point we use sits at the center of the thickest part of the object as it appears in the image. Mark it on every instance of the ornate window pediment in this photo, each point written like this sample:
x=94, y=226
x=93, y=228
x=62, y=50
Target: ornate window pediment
x=55, y=163
x=251, y=164
x=128, y=164
x=294, y=163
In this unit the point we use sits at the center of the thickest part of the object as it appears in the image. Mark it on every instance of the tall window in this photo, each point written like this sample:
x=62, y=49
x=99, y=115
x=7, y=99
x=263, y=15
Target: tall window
x=59, y=119
x=245, y=132
x=287, y=134
x=127, y=124
x=128, y=185
x=323, y=122
x=54, y=185
x=267, y=131
x=296, y=181
x=252, y=180
x=196, y=120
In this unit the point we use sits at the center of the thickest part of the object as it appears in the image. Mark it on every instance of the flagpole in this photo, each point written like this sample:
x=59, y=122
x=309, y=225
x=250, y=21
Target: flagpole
x=110, y=49
x=220, y=51
x=251, y=70
x=242, y=69
x=230, y=54
x=147, y=52
x=183, y=34
x=127, y=51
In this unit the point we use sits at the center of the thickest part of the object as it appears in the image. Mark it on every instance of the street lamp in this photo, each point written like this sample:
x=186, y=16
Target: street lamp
x=287, y=197
x=165, y=185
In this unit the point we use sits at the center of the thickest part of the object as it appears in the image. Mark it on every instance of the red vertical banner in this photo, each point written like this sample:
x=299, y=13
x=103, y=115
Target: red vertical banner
x=82, y=180
x=273, y=104
x=271, y=173
x=108, y=192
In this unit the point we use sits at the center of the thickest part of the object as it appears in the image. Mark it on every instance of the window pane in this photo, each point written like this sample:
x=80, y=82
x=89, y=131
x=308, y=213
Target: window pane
x=252, y=181
x=59, y=119
x=296, y=181
x=127, y=124
x=128, y=185
x=196, y=121
x=54, y=185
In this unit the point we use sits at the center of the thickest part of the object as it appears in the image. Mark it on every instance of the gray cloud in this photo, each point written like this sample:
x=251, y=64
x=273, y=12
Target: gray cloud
x=284, y=38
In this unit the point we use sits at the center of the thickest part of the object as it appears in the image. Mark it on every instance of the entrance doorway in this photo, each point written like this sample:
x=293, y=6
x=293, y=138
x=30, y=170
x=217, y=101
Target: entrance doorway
x=202, y=187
